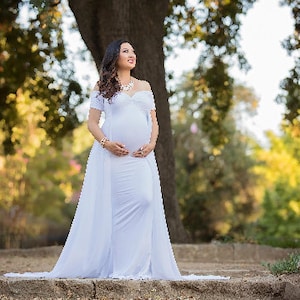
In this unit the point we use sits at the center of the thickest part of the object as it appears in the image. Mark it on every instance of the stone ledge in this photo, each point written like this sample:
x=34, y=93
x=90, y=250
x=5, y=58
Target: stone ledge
x=26, y=289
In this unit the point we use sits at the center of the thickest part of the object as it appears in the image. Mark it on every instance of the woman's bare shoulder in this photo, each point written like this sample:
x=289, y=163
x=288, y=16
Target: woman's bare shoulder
x=96, y=87
x=143, y=85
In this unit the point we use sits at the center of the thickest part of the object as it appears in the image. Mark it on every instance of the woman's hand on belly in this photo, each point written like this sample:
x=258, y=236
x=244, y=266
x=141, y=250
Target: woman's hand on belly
x=116, y=148
x=143, y=151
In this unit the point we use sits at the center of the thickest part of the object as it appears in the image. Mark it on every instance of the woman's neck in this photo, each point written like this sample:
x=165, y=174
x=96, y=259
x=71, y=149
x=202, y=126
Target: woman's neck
x=124, y=77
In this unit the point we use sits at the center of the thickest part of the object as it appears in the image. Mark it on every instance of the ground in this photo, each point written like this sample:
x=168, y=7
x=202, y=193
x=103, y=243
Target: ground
x=249, y=279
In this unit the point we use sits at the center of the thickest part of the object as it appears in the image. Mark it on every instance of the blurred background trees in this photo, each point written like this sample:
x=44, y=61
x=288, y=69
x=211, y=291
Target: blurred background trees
x=228, y=186
x=38, y=97
x=216, y=186
x=33, y=59
x=291, y=85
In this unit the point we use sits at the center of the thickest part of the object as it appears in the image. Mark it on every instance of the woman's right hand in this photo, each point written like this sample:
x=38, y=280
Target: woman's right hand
x=116, y=148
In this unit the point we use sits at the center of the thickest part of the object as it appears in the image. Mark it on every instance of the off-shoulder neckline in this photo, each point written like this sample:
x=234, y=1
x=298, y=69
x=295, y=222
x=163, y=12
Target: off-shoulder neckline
x=131, y=96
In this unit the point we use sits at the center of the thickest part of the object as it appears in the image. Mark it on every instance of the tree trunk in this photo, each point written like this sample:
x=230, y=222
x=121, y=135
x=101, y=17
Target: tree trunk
x=142, y=23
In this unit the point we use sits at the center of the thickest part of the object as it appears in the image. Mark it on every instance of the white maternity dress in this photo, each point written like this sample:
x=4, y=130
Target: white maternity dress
x=119, y=228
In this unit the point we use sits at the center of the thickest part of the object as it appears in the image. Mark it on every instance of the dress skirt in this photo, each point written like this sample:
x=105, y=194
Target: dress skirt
x=119, y=228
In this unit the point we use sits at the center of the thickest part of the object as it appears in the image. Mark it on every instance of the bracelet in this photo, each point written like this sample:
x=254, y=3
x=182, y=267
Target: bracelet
x=103, y=141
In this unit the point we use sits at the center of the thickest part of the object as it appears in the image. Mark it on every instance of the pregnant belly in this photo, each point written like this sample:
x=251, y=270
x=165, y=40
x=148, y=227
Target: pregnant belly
x=133, y=133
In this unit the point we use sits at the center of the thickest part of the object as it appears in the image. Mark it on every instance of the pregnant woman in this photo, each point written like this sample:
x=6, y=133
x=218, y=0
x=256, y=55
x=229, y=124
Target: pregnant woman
x=119, y=228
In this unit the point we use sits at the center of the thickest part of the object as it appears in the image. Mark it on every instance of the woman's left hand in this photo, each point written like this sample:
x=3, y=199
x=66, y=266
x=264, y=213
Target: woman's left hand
x=143, y=151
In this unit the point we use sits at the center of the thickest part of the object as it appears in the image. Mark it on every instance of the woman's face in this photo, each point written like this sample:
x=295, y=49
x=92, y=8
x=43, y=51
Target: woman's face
x=127, y=57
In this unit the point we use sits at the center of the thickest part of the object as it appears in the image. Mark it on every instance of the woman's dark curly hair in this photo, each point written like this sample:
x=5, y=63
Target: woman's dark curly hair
x=108, y=83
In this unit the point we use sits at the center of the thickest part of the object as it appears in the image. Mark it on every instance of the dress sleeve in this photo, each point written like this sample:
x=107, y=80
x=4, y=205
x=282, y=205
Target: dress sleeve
x=96, y=101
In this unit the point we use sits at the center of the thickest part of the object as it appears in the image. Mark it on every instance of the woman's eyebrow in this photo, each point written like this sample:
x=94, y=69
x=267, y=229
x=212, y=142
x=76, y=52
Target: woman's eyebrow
x=125, y=48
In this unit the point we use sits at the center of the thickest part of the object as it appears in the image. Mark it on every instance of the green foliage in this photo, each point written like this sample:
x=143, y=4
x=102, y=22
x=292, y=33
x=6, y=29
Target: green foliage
x=214, y=87
x=280, y=220
x=215, y=187
x=280, y=171
x=239, y=192
x=215, y=26
x=290, y=86
x=40, y=184
x=289, y=265
x=290, y=96
x=33, y=58
x=35, y=192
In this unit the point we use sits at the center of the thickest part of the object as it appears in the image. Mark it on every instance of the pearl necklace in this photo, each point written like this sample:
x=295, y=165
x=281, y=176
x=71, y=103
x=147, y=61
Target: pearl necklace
x=128, y=86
